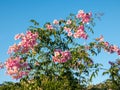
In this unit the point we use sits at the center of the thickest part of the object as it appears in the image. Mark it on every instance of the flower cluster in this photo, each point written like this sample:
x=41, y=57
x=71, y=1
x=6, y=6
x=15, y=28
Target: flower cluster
x=80, y=33
x=68, y=30
x=109, y=47
x=16, y=67
x=61, y=56
x=28, y=41
x=85, y=17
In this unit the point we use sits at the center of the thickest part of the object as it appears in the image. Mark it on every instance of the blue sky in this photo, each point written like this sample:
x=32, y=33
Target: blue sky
x=15, y=16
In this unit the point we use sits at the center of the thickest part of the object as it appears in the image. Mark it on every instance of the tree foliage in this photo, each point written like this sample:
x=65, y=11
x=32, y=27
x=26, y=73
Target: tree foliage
x=53, y=57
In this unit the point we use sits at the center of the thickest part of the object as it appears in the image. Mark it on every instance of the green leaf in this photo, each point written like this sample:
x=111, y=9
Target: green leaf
x=34, y=22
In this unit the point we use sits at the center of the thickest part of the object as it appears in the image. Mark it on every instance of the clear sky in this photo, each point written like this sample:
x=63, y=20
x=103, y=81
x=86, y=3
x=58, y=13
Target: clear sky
x=15, y=16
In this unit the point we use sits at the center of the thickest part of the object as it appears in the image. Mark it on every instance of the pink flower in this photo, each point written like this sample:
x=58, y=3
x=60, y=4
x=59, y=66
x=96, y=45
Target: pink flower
x=118, y=52
x=61, y=56
x=12, y=62
x=20, y=75
x=63, y=60
x=55, y=22
x=18, y=36
x=115, y=48
x=66, y=54
x=14, y=48
x=111, y=49
x=80, y=33
x=75, y=35
x=80, y=14
x=68, y=22
x=57, y=52
x=15, y=66
x=28, y=42
x=101, y=38
x=70, y=33
x=49, y=27
x=85, y=17
x=67, y=29
x=84, y=36
x=81, y=27
x=106, y=44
